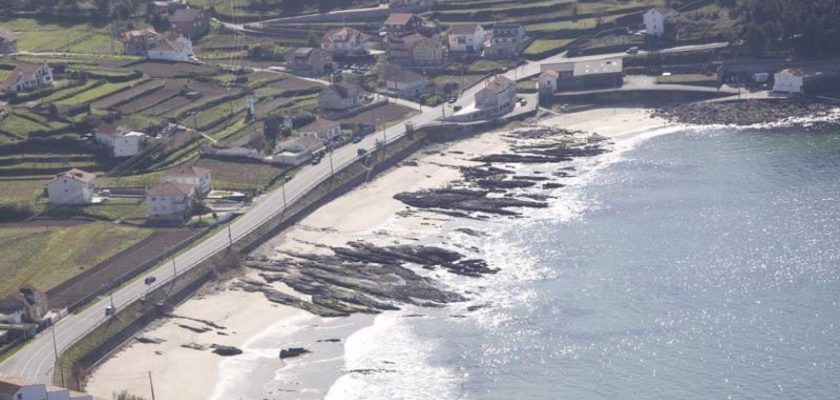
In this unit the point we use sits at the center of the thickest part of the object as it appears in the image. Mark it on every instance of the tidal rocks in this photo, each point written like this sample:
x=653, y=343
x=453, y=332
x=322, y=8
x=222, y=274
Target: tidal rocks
x=465, y=200
x=196, y=329
x=748, y=112
x=544, y=153
x=226, y=351
x=328, y=341
x=363, y=278
x=149, y=340
x=293, y=352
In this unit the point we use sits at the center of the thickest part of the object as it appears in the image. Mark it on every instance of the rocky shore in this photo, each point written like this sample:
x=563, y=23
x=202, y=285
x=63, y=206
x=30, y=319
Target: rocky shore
x=362, y=277
x=754, y=112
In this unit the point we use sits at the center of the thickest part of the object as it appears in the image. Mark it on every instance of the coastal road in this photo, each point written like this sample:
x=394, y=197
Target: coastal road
x=36, y=360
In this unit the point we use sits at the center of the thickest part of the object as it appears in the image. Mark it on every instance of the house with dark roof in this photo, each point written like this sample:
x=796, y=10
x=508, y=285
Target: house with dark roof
x=404, y=82
x=345, y=41
x=308, y=61
x=170, y=202
x=507, y=40
x=340, y=96
x=400, y=23
x=27, y=77
x=8, y=41
x=190, y=22
x=499, y=94
x=197, y=177
x=27, y=305
x=466, y=38
x=73, y=186
x=139, y=41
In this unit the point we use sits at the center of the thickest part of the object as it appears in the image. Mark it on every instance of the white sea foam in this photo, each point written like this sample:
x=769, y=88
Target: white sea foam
x=388, y=360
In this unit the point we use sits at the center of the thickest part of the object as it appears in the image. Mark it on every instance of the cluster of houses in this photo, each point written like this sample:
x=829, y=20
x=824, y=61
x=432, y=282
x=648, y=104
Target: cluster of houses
x=16, y=388
x=410, y=45
x=188, y=24
x=174, y=199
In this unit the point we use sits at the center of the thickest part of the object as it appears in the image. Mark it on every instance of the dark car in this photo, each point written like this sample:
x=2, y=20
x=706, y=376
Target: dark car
x=357, y=139
x=361, y=152
x=316, y=160
x=150, y=280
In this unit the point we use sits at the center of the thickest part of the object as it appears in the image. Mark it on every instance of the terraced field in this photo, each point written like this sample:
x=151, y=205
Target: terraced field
x=44, y=35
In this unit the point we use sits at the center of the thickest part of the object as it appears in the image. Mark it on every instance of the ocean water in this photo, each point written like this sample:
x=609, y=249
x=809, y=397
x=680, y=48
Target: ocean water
x=689, y=264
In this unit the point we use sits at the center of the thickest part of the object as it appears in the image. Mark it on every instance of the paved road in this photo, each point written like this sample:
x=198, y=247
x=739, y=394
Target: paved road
x=36, y=360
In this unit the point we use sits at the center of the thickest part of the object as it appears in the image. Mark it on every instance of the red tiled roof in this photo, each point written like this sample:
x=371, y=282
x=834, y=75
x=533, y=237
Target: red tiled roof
x=319, y=125
x=170, y=189
x=9, y=385
x=186, y=171
x=76, y=174
x=399, y=19
x=463, y=29
x=7, y=35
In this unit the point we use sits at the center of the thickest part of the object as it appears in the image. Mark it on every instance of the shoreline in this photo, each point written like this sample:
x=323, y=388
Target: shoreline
x=261, y=328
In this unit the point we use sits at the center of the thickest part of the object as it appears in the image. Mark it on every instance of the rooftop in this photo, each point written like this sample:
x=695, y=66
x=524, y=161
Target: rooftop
x=7, y=35
x=76, y=174
x=186, y=15
x=498, y=85
x=463, y=29
x=402, y=75
x=11, y=384
x=399, y=18
x=597, y=67
x=319, y=125
x=344, y=34
x=170, y=189
x=187, y=171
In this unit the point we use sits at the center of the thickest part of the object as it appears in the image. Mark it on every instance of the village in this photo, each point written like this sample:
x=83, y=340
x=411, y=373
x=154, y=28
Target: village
x=131, y=142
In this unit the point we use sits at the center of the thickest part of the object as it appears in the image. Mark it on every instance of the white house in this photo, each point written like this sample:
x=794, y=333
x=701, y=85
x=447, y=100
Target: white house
x=404, y=82
x=789, y=80
x=170, y=201
x=199, y=178
x=72, y=187
x=345, y=41
x=499, y=95
x=658, y=18
x=296, y=151
x=340, y=96
x=466, y=38
x=27, y=77
x=323, y=129
x=177, y=49
x=121, y=141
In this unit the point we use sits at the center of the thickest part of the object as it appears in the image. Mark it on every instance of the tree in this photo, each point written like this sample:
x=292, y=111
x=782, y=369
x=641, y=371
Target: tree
x=755, y=40
x=125, y=395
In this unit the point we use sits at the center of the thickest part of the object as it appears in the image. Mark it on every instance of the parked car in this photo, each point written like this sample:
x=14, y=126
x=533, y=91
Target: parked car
x=356, y=139
x=316, y=160
x=149, y=280
x=361, y=152
x=633, y=50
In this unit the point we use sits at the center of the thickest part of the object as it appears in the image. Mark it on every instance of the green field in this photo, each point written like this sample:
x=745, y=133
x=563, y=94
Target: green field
x=46, y=256
x=39, y=35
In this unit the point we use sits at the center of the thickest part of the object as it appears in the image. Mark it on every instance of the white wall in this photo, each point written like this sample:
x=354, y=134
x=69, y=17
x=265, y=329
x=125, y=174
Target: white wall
x=69, y=191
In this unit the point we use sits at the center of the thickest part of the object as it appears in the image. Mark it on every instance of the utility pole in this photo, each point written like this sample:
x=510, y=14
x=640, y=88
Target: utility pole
x=332, y=170
x=57, y=364
x=230, y=237
x=174, y=269
x=151, y=385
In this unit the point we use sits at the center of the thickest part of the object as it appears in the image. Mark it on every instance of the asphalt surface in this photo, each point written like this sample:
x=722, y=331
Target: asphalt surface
x=36, y=360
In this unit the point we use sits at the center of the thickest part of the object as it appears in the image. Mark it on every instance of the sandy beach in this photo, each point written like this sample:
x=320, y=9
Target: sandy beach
x=261, y=328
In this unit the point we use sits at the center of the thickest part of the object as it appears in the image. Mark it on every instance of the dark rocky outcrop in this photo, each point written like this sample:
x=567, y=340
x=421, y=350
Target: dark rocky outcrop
x=465, y=200
x=749, y=112
x=363, y=278
x=226, y=351
x=293, y=352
